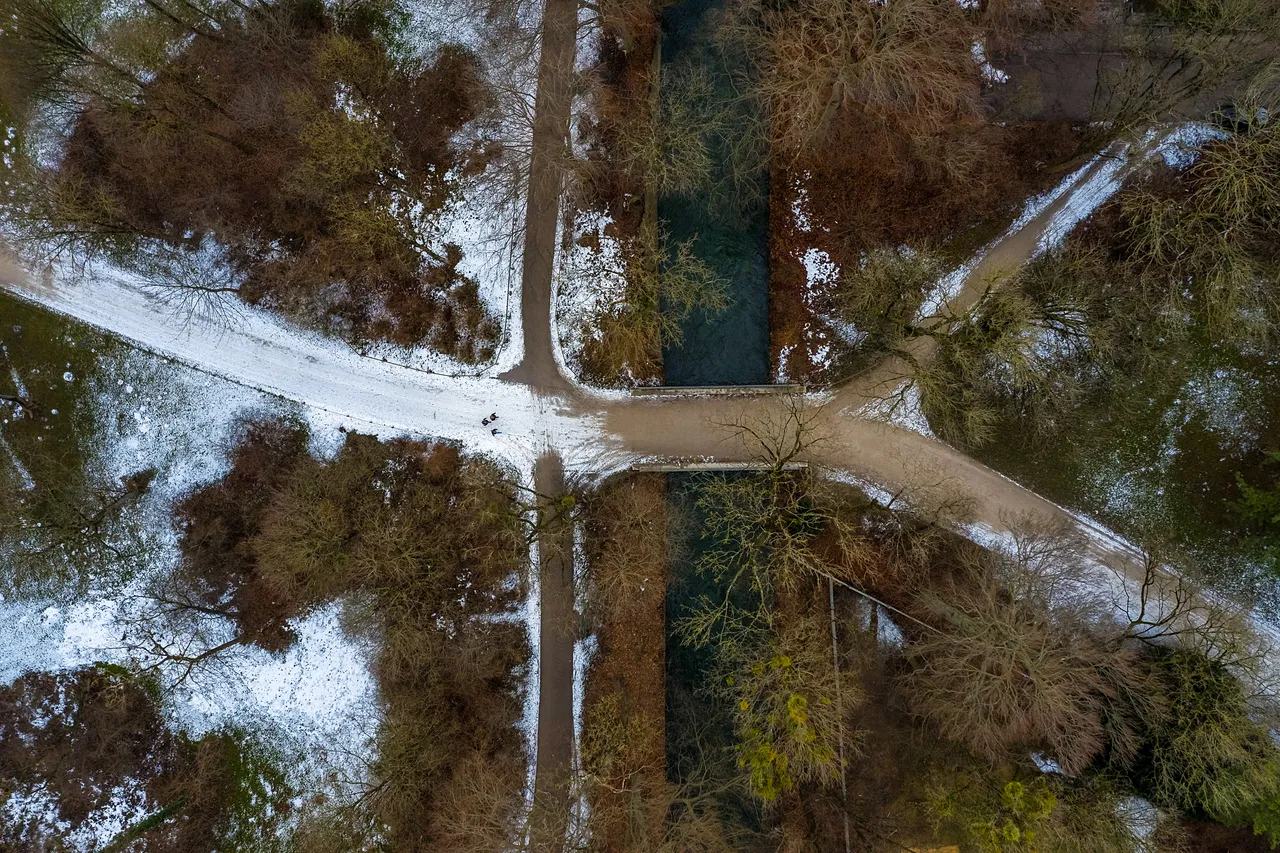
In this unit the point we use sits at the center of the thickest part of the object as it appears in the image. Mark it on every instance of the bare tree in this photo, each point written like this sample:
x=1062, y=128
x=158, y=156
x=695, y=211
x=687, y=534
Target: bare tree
x=662, y=284
x=792, y=720
x=84, y=529
x=1189, y=48
x=1020, y=660
x=670, y=150
x=910, y=59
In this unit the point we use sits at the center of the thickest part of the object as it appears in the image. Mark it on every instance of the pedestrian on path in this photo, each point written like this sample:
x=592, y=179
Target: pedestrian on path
x=494, y=431
x=485, y=421
x=493, y=417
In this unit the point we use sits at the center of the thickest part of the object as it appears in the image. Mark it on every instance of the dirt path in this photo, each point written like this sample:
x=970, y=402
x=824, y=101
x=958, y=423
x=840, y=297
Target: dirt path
x=882, y=455
x=557, y=633
x=550, y=148
x=538, y=369
x=997, y=262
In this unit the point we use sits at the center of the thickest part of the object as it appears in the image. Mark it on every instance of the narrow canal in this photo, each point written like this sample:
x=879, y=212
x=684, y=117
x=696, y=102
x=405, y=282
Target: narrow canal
x=729, y=220
x=729, y=223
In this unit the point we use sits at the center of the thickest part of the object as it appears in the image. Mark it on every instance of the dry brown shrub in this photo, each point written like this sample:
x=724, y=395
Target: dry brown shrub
x=293, y=147
x=481, y=810
x=627, y=540
x=431, y=539
x=219, y=568
x=81, y=735
x=658, y=816
x=874, y=185
x=1017, y=663
x=909, y=60
x=1007, y=21
x=426, y=544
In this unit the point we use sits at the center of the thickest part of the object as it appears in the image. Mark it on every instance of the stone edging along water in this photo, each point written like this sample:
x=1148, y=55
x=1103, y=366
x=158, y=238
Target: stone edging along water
x=716, y=390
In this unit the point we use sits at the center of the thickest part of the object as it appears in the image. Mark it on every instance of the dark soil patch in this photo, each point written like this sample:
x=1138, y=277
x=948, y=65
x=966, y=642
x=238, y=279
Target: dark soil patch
x=872, y=186
x=82, y=735
x=1215, y=838
x=625, y=682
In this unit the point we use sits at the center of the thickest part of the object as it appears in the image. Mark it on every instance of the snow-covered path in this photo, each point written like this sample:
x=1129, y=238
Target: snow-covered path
x=259, y=351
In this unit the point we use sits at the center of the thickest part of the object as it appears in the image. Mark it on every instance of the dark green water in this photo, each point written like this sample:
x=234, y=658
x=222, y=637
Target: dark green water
x=729, y=221
x=699, y=720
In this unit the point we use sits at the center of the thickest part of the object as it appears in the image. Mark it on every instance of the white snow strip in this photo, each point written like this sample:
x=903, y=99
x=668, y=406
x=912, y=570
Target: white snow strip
x=989, y=538
x=17, y=383
x=990, y=73
x=781, y=375
x=820, y=270
x=1182, y=147
x=1084, y=195
x=879, y=494
x=583, y=651
x=532, y=684
x=947, y=288
x=1083, y=201
x=24, y=476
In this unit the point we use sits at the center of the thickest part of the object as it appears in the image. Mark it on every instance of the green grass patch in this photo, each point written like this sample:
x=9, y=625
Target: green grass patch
x=38, y=351
x=1161, y=465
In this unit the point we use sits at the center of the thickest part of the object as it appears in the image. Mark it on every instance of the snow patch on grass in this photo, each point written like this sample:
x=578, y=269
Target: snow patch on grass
x=318, y=700
x=36, y=810
x=319, y=696
x=127, y=806
x=1223, y=398
x=488, y=228
x=820, y=270
x=155, y=414
x=1182, y=147
x=901, y=411
x=590, y=277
